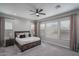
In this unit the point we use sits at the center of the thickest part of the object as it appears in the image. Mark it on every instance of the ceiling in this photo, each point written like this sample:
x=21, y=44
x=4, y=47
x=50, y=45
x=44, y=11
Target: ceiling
x=22, y=9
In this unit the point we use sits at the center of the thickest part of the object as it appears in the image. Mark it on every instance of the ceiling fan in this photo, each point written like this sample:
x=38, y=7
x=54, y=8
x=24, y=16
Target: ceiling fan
x=37, y=12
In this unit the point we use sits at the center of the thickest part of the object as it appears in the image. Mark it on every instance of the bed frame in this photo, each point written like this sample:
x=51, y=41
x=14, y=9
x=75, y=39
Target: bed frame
x=26, y=46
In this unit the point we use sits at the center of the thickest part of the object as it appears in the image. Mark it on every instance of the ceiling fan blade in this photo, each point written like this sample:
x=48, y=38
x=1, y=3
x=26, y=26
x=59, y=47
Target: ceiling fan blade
x=42, y=13
x=40, y=10
x=32, y=11
x=37, y=11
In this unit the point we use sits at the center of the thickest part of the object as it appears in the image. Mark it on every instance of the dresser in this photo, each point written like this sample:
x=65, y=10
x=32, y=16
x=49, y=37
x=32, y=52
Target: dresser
x=9, y=42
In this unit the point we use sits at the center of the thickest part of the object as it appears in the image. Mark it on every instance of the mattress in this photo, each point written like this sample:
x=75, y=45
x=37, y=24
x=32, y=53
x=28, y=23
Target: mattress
x=27, y=40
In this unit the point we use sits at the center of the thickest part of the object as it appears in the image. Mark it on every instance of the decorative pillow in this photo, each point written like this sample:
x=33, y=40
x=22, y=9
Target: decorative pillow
x=22, y=36
x=17, y=35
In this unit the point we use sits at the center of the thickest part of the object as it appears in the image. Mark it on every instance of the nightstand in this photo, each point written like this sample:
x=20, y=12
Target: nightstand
x=10, y=42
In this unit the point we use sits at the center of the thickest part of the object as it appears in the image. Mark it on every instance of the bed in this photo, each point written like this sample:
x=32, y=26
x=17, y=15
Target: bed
x=26, y=42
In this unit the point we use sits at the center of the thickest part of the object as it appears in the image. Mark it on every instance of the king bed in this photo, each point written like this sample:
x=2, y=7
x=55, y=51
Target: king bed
x=24, y=40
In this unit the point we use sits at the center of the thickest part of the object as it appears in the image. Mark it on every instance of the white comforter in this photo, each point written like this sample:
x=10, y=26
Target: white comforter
x=27, y=40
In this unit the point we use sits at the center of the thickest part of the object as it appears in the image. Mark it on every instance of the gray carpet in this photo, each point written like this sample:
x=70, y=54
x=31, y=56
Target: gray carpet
x=44, y=49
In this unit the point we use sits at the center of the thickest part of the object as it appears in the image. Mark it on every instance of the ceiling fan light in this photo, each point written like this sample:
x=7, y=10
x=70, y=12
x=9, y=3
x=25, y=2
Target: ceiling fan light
x=37, y=14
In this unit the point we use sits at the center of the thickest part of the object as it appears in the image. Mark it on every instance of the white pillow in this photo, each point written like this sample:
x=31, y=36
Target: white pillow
x=18, y=35
x=21, y=33
x=27, y=34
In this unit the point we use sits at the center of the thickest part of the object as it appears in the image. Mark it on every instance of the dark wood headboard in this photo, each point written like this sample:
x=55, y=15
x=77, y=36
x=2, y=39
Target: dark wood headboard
x=15, y=33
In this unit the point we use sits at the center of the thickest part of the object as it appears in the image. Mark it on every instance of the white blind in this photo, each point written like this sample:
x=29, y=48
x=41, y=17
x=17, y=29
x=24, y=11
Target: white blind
x=8, y=25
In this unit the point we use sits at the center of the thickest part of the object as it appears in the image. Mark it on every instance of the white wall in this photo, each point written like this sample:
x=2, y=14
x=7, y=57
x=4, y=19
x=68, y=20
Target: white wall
x=21, y=25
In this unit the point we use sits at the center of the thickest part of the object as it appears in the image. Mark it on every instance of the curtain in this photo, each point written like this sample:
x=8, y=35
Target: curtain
x=35, y=28
x=73, y=32
x=2, y=30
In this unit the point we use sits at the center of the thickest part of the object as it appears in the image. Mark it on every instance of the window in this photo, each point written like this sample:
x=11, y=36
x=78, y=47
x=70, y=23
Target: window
x=56, y=32
x=8, y=25
x=52, y=30
x=42, y=30
x=65, y=29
